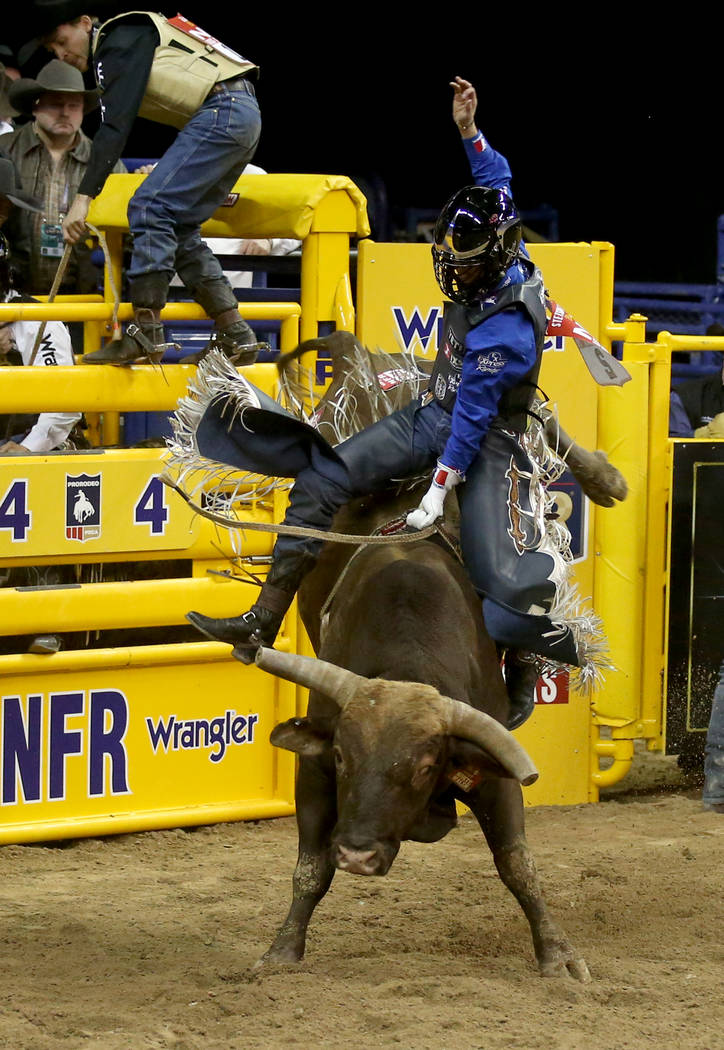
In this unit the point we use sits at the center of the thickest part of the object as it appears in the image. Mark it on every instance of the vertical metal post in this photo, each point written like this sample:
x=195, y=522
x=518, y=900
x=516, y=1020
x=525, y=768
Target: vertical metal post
x=620, y=536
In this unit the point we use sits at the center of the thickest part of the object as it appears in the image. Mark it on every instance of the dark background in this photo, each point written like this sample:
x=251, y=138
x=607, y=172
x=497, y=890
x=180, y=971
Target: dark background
x=615, y=124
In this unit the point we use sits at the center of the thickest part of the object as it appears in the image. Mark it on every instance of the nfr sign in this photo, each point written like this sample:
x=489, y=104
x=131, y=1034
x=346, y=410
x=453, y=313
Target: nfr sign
x=43, y=737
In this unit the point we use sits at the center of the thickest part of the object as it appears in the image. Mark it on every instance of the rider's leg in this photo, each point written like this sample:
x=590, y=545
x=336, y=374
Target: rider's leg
x=404, y=443
x=314, y=500
x=506, y=559
x=529, y=641
x=144, y=337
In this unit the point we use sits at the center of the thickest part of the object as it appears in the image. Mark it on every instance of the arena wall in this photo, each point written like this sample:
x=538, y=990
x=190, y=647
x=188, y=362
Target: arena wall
x=95, y=740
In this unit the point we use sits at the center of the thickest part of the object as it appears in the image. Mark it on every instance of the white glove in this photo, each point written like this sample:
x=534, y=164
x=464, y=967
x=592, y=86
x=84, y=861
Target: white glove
x=430, y=509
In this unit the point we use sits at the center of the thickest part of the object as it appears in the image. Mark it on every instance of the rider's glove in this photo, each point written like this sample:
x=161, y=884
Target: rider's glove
x=430, y=509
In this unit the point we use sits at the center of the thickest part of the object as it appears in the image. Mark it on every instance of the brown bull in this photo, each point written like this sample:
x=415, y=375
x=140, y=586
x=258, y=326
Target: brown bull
x=406, y=715
x=408, y=704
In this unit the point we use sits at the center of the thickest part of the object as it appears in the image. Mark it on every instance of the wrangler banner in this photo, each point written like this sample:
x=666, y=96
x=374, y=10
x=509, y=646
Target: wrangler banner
x=140, y=738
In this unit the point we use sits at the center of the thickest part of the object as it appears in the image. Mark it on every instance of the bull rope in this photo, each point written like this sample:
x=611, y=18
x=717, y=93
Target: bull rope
x=299, y=530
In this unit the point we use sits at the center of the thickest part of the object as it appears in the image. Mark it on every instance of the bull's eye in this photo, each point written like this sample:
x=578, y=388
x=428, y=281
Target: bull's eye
x=338, y=760
x=425, y=772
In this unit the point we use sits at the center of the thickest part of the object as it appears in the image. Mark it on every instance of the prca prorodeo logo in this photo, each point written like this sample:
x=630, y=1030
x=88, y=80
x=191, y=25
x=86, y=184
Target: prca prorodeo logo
x=82, y=507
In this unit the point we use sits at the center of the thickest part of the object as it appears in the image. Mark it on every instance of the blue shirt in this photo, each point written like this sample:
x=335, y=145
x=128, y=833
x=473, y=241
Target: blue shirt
x=499, y=352
x=488, y=167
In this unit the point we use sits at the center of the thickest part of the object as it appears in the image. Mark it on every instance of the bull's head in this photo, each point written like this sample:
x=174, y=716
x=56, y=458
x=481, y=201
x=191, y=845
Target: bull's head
x=392, y=744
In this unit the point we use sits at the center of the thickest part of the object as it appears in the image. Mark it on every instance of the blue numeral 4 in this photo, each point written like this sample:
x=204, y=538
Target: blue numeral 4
x=151, y=508
x=14, y=513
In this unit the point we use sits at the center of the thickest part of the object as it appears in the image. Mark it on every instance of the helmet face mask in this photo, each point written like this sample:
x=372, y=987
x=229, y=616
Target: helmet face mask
x=464, y=282
x=476, y=238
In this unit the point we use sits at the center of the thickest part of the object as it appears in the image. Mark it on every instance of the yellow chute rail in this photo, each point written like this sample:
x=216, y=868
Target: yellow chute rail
x=115, y=739
x=94, y=740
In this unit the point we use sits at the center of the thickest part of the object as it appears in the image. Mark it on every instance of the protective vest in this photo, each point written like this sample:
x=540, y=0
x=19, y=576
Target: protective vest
x=458, y=321
x=187, y=63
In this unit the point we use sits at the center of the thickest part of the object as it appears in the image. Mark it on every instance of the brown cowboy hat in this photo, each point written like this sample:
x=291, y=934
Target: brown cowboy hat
x=57, y=76
x=9, y=187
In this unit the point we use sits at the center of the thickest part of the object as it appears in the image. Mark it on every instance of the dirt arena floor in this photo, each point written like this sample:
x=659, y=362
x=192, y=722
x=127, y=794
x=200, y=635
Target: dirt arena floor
x=147, y=940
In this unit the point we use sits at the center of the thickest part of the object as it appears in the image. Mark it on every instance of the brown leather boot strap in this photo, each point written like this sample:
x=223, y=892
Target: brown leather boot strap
x=274, y=599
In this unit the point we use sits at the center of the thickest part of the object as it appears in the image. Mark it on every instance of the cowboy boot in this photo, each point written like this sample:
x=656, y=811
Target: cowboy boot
x=260, y=625
x=522, y=671
x=144, y=338
x=236, y=339
x=231, y=334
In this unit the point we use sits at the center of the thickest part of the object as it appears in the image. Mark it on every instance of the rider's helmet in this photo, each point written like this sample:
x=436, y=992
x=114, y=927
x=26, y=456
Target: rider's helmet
x=476, y=238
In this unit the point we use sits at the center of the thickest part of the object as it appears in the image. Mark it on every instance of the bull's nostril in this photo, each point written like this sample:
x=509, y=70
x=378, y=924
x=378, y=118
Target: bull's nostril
x=358, y=862
x=355, y=856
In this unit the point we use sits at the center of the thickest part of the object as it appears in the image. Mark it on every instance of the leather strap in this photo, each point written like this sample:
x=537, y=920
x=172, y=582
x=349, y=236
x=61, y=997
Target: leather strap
x=274, y=599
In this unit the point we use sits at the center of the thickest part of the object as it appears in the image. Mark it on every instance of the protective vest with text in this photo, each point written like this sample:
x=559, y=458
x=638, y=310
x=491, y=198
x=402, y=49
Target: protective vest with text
x=187, y=63
x=457, y=322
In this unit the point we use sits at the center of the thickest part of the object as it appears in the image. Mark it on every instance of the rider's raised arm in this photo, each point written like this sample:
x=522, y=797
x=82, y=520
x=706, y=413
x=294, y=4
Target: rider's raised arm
x=488, y=167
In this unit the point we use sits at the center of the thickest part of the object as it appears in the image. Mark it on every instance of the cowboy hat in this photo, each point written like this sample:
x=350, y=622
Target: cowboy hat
x=9, y=187
x=44, y=16
x=57, y=76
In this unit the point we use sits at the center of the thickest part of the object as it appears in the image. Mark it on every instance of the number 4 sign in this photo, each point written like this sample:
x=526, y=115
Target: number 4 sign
x=151, y=508
x=14, y=513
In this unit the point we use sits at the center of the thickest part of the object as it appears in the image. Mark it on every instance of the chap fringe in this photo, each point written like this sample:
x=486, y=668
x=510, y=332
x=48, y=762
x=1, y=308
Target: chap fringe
x=219, y=488
x=223, y=489
x=551, y=536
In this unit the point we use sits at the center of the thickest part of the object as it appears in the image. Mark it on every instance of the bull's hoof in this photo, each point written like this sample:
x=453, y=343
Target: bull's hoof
x=561, y=960
x=277, y=958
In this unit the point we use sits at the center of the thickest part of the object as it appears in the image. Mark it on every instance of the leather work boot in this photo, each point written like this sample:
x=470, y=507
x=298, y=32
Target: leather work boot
x=231, y=343
x=522, y=671
x=234, y=338
x=231, y=335
x=143, y=340
x=260, y=625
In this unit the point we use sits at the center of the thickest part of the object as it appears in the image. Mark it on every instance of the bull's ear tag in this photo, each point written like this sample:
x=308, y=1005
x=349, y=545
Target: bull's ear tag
x=465, y=779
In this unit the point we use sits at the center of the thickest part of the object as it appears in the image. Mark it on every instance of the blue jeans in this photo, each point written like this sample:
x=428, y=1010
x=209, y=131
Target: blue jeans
x=401, y=445
x=713, y=793
x=407, y=443
x=191, y=180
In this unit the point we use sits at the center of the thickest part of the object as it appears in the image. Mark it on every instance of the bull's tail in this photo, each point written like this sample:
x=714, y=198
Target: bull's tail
x=333, y=346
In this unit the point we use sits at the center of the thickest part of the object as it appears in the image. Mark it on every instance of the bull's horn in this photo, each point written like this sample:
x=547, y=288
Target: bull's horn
x=466, y=722
x=335, y=682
